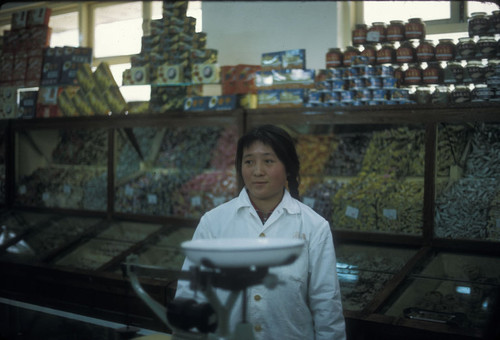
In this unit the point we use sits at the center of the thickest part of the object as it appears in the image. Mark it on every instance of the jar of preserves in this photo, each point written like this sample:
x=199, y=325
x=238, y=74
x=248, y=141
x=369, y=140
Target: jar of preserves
x=370, y=52
x=460, y=94
x=377, y=33
x=432, y=74
x=415, y=29
x=492, y=68
x=466, y=48
x=426, y=51
x=495, y=22
x=386, y=54
x=445, y=50
x=478, y=24
x=399, y=75
x=481, y=93
x=486, y=47
x=413, y=74
x=334, y=57
x=441, y=95
x=474, y=72
x=453, y=73
x=423, y=95
x=349, y=52
x=396, y=31
x=359, y=34
x=405, y=53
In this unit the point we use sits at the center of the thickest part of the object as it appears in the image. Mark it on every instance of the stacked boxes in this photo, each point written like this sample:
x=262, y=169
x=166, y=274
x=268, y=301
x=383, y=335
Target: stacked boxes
x=284, y=81
x=172, y=58
x=8, y=102
x=239, y=79
x=22, y=48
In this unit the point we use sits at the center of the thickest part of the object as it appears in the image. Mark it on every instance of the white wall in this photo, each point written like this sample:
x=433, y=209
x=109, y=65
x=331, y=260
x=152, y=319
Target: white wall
x=241, y=31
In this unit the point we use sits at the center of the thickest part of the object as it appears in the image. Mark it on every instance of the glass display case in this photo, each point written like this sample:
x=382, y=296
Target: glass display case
x=62, y=168
x=468, y=202
x=454, y=289
x=3, y=162
x=364, y=270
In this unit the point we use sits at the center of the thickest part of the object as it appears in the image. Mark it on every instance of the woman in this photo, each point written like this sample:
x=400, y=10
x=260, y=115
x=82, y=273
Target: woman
x=308, y=305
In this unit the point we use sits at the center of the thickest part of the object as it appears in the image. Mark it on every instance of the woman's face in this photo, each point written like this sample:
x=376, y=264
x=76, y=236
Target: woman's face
x=263, y=173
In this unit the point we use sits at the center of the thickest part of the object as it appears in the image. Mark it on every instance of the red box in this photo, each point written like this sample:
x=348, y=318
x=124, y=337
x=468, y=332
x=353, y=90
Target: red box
x=39, y=37
x=6, y=67
x=34, y=69
x=227, y=74
x=229, y=87
x=38, y=17
x=246, y=73
x=20, y=65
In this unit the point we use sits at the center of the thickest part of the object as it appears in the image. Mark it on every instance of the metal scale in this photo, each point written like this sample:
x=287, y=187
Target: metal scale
x=229, y=264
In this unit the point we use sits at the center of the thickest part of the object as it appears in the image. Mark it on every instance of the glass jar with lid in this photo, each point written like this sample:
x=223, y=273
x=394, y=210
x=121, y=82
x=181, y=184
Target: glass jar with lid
x=493, y=68
x=495, y=22
x=386, y=54
x=466, y=48
x=370, y=51
x=432, y=74
x=441, y=95
x=359, y=34
x=426, y=51
x=453, y=73
x=350, y=52
x=415, y=29
x=478, y=24
x=486, y=47
x=460, y=94
x=445, y=50
x=334, y=57
x=405, y=53
x=413, y=74
x=396, y=31
x=377, y=33
x=474, y=72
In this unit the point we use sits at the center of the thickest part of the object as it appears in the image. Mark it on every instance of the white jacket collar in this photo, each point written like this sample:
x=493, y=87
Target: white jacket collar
x=288, y=203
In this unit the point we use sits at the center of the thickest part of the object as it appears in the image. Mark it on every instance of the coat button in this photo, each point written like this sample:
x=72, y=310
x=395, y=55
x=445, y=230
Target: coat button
x=262, y=235
x=257, y=297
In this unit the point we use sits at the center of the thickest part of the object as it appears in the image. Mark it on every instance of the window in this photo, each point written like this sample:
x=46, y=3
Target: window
x=64, y=29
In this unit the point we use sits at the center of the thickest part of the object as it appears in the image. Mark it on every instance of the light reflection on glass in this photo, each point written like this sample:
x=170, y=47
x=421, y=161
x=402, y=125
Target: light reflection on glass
x=463, y=290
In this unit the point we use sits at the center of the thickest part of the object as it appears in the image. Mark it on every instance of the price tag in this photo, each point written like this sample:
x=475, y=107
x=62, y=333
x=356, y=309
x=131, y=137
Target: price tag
x=352, y=212
x=218, y=200
x=129, y=191
x=22, y=189
x=391, y=214
x=195, y=201
x=373, y=36
x=309, y=201
x=152, y=199
x=67, y=189
x=45, y=196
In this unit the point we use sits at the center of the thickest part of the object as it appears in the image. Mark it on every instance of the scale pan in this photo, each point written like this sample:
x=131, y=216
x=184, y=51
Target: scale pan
x=243, y=252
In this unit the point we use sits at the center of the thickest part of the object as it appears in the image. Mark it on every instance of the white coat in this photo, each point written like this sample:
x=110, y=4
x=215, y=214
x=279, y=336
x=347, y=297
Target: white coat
x=308, y=305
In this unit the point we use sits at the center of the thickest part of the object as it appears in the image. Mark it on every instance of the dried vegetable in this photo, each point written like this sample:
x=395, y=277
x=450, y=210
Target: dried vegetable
x=355, y=203
x=128, y=231
x=81, y=147
x=170, y=258
x=320, y=197
x=128, y=161
x=462, y=209
x=187, y=148
x=493, y=227
x=68, y=187
x=204, y=192
x=151, y=193
x=398, y=151
x=451, y=147
x=401, y=210
x=175, y=237
x=347, y=158
x=484, y=157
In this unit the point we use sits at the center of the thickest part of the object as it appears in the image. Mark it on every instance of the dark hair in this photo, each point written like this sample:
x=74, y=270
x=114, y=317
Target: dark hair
x=283, y=146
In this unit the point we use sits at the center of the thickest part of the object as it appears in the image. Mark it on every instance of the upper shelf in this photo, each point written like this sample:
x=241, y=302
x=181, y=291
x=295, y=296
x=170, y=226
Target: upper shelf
x=381, y=114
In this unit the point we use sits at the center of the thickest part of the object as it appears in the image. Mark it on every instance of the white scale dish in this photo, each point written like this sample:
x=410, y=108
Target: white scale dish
x=243, y=252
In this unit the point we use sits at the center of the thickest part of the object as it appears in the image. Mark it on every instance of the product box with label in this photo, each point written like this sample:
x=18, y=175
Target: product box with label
x=6, y=68
x=38, y=17
x=170, y=74
x=52, y=64
x=71, y=60
x=205, y=74
x=27, y=104
x=136, y=76
x=103, y=77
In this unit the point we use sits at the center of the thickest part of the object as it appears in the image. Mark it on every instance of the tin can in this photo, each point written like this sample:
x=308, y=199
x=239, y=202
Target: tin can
x=386, y=71
x=365, y=95
x=377, y=33
x=340, y=84
x=406, y=53
x=334, y=58
x=357, y=83
x=415, y=29
x=413, y=74
x=486, y=47
x=387, y=54
x=466, y=48
x=478, y=24
x=380, y=95
x=426, y=51
x=370, y=71
x=374, y=82
x=445, y=50
x=347, y=96
x=396, y=31
x=359, y=34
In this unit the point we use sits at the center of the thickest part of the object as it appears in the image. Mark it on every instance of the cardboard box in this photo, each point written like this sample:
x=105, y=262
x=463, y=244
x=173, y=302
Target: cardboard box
x=136, y=76
x=97, y=102
x=19, y=20
x=27, y=104
x=85, y=77
x=34, y=67
x=115, y=101
x=38, y=17
x=205, y=74
x=103, y=77
x=6, y=68
x=20, y=66
x=52, y=64
x=72, y=58
x=170, y=74
x=81, y=103
x=65, y=103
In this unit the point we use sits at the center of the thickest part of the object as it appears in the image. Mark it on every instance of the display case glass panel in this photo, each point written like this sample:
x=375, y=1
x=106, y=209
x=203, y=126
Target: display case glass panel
x=114, y=241
x=468, y=182
x=64, y=168
x=15, y=224
x=3, y=163
x=449, y=288
x=366, y=178
x=49, y=238
x=364, y=270
x=175, y=171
